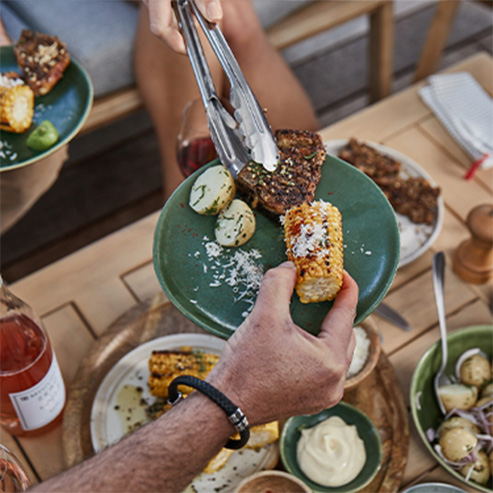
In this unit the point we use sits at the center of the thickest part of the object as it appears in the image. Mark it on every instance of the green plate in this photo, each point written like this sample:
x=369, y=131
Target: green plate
x=427, y=414
x=371, y=252
x=66, y=106
x=367, y=431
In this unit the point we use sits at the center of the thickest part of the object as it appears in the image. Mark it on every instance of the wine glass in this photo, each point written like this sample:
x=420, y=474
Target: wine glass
x=13, y=478
x=194, y=146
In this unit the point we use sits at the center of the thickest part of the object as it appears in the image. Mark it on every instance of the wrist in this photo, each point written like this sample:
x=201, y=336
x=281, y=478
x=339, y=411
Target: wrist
x=230, y=386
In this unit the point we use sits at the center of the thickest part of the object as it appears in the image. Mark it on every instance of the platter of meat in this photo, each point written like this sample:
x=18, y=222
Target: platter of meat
x=409, y=188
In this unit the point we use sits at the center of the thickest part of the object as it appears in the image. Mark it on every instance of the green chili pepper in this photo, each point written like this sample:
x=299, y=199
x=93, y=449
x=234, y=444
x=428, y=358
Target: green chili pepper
x=43, y=137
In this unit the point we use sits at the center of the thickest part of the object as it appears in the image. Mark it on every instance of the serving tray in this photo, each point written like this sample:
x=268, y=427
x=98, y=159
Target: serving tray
x=379, y=396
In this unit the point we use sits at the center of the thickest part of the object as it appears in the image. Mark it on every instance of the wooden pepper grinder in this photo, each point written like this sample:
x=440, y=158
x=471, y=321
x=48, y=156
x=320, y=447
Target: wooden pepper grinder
x=473, y=258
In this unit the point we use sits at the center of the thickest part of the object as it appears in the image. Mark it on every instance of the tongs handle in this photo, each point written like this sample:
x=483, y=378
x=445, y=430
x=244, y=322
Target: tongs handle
x=227, y=142
x=253, y=124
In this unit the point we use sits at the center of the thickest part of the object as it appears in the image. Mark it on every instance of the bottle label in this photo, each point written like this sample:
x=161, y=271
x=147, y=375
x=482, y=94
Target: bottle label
x=41, y=404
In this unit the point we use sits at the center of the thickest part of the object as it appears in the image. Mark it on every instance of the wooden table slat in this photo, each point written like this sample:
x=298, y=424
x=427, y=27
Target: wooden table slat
x=89, y=268
x=143, y=282
x=416, y=303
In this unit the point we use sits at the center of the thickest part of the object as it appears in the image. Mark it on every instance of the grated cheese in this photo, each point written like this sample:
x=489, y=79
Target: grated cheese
x=10, y=82
x=236, y=268
x=6, y=151
x=311, y=237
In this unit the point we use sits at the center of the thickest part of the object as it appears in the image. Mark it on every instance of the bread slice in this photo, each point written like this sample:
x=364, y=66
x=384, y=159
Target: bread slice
x=42, y=59
x=295, y=179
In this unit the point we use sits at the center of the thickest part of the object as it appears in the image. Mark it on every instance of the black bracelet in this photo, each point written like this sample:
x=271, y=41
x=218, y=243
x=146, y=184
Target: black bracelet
x=234, y=413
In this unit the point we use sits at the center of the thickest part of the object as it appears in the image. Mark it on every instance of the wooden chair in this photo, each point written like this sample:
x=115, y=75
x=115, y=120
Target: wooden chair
x=313, y=19
x=437, y=36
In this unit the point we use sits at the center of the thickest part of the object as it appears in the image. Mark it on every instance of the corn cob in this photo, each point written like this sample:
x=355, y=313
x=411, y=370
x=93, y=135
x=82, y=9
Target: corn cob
x=16, y=105
x=165, y=366
x=260, y=436
x=313, y=234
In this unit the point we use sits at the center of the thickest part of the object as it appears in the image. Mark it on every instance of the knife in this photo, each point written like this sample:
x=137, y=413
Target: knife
x=384, y=311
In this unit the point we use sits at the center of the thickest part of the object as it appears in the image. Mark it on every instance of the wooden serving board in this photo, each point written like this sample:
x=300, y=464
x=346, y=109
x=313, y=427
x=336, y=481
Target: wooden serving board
x=379, y=396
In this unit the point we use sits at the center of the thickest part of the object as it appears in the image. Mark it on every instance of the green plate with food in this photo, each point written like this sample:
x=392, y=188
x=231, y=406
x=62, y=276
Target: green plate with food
x=216, y=286
x=66, y=107
x=462, y=440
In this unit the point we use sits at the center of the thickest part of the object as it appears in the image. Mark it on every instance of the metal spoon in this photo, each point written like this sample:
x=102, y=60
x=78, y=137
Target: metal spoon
x=438, y=269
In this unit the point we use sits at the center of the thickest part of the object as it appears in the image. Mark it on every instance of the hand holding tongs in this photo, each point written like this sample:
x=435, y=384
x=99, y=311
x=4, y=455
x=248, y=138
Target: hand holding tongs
x=248, y=116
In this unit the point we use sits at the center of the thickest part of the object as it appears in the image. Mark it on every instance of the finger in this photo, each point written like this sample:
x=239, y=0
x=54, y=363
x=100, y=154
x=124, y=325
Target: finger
x=340, y=318
x=350, y=348
x=163, y=24
x=276, y=289
x=210, y=9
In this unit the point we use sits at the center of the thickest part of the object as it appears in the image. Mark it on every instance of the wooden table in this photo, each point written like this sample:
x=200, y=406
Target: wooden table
x=80, y=295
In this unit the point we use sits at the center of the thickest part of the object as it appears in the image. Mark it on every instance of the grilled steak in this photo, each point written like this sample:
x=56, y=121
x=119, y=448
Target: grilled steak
x=382, y=169
x=295, y=179
x=409, y=196
x=42, y=59
x=413, y=197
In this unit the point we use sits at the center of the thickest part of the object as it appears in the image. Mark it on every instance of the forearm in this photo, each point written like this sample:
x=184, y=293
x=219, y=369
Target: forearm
x=162, y=456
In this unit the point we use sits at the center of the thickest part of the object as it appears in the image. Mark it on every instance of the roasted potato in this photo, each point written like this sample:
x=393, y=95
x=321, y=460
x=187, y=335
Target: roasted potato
x=458, y=396
x=475, y=370
x=481, y=471
x=487, y=391
x=213, y=190
x=482, y=402
x=235, y=224
x=457, y=422
x=457, y=443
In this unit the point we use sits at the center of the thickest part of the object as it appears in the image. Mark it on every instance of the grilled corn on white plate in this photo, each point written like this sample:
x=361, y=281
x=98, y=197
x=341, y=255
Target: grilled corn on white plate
x=117, y=409
x=415, y=238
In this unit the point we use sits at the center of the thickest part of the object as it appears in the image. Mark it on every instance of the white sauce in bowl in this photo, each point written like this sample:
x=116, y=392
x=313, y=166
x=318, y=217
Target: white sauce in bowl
x=331, y=453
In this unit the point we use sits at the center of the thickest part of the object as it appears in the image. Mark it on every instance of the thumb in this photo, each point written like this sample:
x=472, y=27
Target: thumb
x=276, y=289
x=340, y=318
x=210, y=9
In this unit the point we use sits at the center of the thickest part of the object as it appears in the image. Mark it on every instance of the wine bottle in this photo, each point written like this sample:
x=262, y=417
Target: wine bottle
x=32, y=391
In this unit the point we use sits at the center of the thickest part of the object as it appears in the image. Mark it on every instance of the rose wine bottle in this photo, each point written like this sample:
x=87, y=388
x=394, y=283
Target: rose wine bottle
x=32, y=391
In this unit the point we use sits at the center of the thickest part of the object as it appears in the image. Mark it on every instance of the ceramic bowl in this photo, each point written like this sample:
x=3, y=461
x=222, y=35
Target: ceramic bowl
x=374, y=353
x=272, y=481
x=351, y=415
x=424, y=407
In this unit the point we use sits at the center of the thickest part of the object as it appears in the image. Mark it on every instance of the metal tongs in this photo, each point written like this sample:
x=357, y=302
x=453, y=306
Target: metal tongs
x=248, y=135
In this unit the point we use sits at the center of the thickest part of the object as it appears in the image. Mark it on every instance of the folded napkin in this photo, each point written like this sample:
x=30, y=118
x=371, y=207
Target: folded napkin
x=466, y=111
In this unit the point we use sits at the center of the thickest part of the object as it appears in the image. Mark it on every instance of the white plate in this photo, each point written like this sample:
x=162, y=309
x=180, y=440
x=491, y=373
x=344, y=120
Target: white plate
x=415, y=238
x=110, y=424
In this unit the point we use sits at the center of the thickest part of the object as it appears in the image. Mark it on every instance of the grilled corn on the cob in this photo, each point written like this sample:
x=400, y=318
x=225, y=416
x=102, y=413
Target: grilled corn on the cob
x=165, y=366
x=313, y=234
x=16, y=105
x=260, y=436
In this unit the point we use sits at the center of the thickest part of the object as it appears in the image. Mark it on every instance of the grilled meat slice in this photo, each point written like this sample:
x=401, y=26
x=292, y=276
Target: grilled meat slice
x=409, y=196
x=295, y=179
x=413, y=197
x=382, y=169
x=42, y=59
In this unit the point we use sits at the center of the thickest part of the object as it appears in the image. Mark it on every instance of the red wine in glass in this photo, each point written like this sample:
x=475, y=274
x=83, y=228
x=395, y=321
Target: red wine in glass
x=193, y=155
